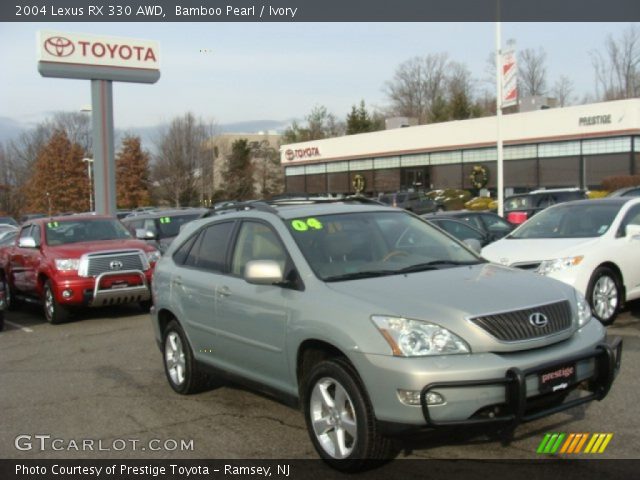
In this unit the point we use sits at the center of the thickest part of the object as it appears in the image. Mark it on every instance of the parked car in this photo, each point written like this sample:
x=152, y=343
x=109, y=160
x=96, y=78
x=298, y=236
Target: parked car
x=449, y=198
x=160, y=227
x=626, y=192
x=415, y=202
x=491, y=224
x=31, y=216
x=76, y=261
x=592, y=245
x=460, y=230
x=355, y=312
x=8, y=236
x=519, y=208
x=8, y=221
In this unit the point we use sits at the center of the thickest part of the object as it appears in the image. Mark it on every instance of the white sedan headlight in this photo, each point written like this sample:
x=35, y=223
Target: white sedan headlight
x=550, y=266
x=66, y=264
x=584, y=310
x=415, y=338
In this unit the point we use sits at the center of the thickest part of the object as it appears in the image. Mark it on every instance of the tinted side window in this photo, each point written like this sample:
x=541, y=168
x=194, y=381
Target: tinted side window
x=257, y=241
x=632, y=217
x=181, y=254
x=211, y=250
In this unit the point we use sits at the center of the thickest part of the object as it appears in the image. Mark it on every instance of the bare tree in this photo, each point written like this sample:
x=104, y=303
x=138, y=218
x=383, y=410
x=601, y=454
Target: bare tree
x=532, y=72
x=184, y=163
x=76, y=125
x=563, y=91
x=617, y=70
x=319, y=124
x=418, y=87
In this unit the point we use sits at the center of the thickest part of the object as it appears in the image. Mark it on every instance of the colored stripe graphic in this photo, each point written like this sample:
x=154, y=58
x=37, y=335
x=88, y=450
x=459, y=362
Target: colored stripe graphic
x=573, y=443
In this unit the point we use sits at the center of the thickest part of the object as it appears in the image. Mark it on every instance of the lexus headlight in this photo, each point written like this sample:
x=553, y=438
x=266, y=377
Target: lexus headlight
x=414, y=338
x=584, y=310
x=550, y=266
x=153, y=256
x=66, y=264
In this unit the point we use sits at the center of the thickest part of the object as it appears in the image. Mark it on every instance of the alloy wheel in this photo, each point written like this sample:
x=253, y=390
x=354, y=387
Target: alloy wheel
x=333, y=418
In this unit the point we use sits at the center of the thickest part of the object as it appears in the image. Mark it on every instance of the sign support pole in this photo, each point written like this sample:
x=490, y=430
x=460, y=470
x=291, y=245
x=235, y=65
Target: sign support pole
x=103, y=147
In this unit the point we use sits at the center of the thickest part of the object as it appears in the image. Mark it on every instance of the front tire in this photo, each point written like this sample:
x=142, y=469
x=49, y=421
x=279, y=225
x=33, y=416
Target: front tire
x=53, y=311
x=604, y=294
x=340, y=419
x=183, y=373
x=10, y=299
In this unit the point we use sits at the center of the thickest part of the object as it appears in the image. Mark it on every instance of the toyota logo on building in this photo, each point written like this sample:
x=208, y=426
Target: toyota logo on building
x=115, y=265
x=59, y=46
x=538, y=319
x=289, y=154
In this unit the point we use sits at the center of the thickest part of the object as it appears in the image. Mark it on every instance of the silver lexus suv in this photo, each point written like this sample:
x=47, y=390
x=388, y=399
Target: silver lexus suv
x=374, y=322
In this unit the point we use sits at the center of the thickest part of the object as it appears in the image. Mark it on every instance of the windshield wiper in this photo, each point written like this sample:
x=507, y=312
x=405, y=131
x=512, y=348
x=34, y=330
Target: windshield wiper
x=357, y=275
x=434, y=265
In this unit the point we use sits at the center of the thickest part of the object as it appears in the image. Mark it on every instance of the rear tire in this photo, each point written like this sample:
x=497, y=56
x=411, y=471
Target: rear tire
x=10, y=299
x=340, y=418
x=1, y=320
x=53, y=311
x=183, y=373
x=604, y=294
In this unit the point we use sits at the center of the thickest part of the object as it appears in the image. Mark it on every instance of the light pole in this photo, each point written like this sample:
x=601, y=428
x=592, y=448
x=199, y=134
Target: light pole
x=89, y=162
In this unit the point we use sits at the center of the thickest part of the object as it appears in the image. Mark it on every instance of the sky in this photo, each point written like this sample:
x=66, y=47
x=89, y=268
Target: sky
x=236, y=72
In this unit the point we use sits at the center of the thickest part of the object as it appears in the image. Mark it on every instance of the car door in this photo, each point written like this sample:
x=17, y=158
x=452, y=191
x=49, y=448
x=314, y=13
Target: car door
x=200, y=264
x=252, y=319
x=20, y=258
x=627, y=251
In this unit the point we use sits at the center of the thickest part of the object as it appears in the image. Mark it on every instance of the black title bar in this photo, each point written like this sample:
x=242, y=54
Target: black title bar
x=320, y=11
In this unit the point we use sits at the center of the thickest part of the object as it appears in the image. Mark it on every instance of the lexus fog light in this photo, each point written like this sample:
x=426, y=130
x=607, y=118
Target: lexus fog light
x=412, y=397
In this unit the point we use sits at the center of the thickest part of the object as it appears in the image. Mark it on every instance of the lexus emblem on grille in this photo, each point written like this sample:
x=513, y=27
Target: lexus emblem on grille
x=115, y=265
x=538, y=319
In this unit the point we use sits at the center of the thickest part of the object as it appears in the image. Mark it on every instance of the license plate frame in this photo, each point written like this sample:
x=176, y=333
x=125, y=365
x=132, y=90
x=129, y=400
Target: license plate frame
x=557, y=378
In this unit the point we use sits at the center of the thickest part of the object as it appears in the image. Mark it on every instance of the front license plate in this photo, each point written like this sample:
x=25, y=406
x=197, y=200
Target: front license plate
x=557, y=378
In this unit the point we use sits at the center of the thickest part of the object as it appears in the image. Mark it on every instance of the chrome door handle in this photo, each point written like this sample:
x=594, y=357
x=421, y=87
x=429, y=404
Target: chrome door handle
x=177, y=281
x=224, y=291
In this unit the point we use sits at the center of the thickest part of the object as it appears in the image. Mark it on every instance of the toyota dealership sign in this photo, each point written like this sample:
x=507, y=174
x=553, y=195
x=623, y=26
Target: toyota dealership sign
x=75, y=55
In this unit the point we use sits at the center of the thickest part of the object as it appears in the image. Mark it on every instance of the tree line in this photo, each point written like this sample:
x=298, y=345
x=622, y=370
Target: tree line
x=43, y=169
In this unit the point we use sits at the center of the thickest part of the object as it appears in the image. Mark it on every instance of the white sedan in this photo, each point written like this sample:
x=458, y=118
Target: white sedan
x=593, y=245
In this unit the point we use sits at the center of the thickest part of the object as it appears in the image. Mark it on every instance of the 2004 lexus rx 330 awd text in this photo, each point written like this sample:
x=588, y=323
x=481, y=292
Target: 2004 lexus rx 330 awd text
x=374, y=322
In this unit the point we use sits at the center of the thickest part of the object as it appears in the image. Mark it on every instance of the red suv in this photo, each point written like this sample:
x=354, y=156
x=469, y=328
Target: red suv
x=76, y=261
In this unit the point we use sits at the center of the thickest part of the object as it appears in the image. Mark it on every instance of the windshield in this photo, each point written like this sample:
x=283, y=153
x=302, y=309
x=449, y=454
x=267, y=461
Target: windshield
x=170, y=226
x=367, y=244
x=569, y=221
x=85, y=230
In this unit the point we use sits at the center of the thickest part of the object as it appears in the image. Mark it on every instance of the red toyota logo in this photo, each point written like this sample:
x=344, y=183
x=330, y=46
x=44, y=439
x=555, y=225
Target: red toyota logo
x=289, y=154
x=59, y=46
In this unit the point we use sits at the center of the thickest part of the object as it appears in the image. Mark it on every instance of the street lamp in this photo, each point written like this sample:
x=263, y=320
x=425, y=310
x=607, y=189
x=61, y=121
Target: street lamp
x=89, y=162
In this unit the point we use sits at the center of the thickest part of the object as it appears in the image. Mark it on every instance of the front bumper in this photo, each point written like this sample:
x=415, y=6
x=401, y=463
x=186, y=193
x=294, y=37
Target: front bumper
x=520, y=407
x=478, y=382
x=109, y=288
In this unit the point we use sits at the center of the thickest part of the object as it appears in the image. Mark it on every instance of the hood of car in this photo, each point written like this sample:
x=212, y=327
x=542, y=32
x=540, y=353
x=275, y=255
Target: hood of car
x=509, y=251
x=76, y=250
x=451, y=296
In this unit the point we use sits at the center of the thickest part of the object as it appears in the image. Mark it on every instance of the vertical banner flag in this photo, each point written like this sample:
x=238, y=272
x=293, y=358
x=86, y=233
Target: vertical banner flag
x=509, y=79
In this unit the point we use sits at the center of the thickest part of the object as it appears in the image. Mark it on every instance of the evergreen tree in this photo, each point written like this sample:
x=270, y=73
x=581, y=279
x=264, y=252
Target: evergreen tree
x=59, y=182
x=239, y=173
x=132, y=174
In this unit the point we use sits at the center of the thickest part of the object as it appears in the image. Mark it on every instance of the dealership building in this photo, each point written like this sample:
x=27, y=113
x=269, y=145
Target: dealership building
x=559, y=147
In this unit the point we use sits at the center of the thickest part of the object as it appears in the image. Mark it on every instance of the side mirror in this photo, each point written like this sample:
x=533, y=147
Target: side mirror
x=263, y=272
x=473, y=244
x=144, y=234
x=632, y=232
x=27, y=242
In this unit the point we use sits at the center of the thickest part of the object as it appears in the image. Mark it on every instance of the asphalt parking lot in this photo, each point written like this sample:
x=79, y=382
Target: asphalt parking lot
x=100, y=378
